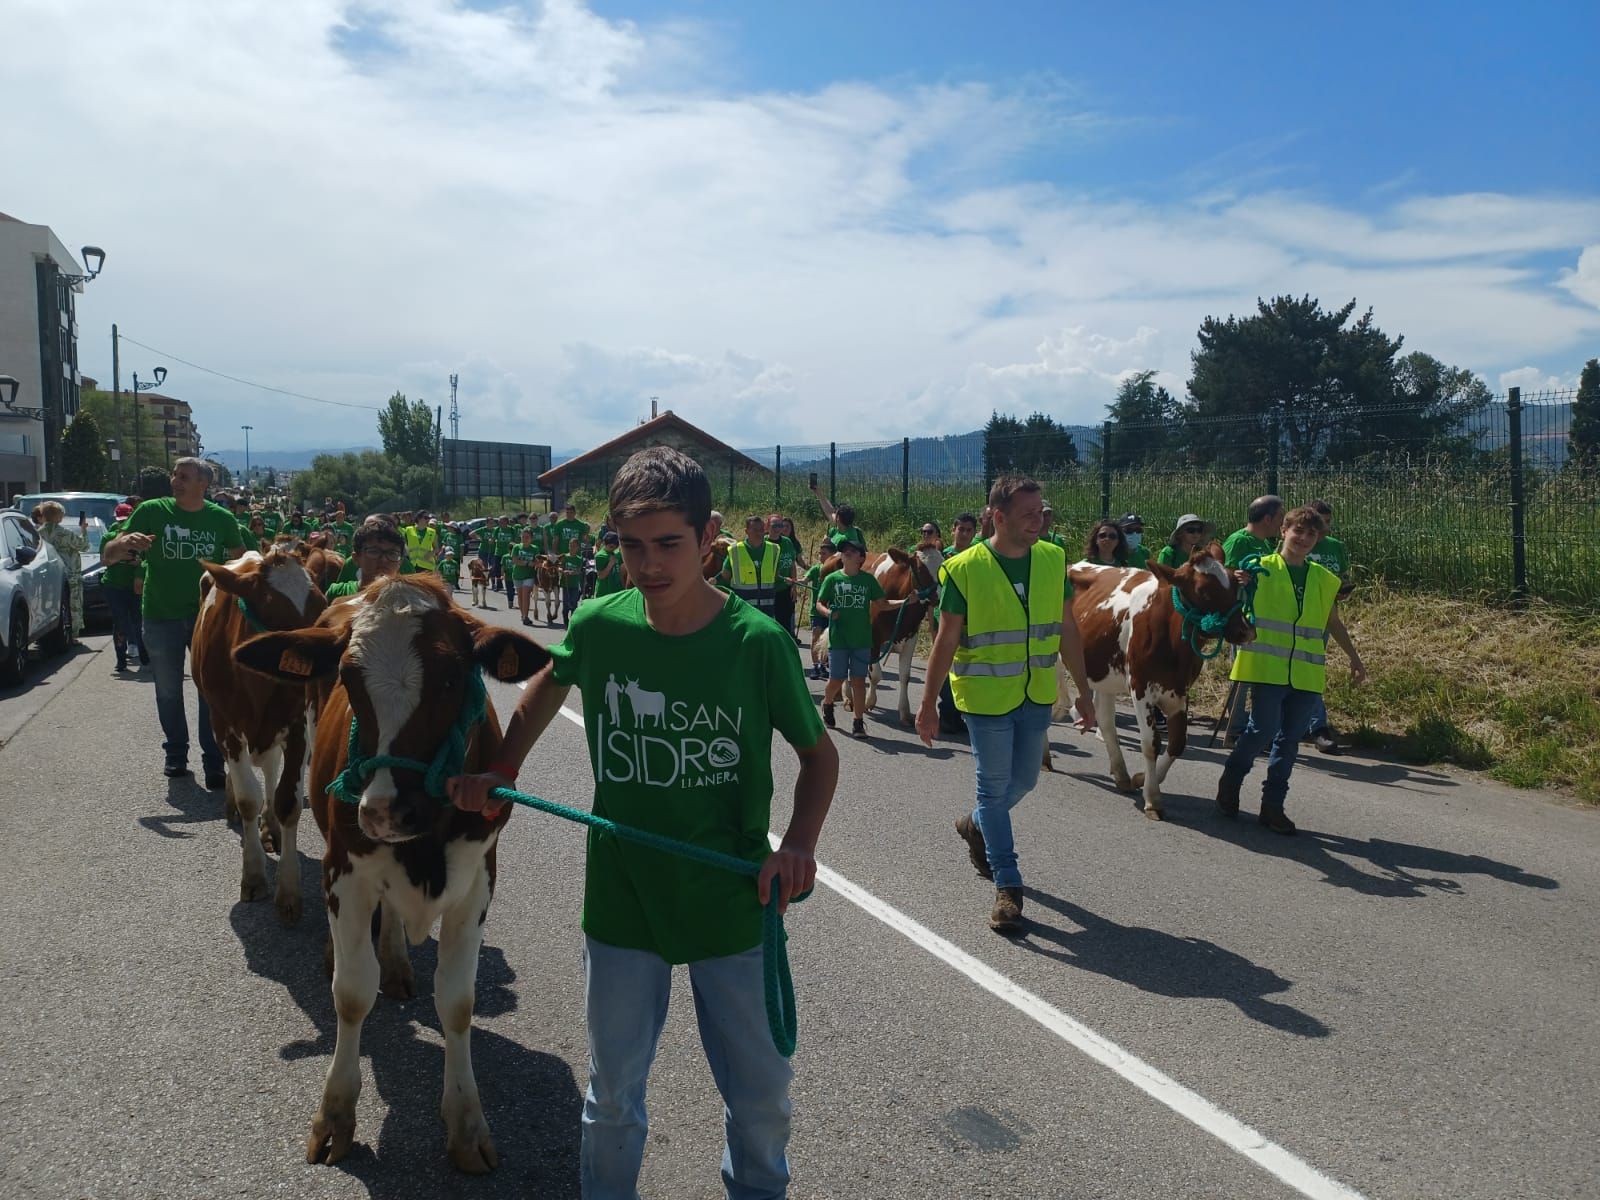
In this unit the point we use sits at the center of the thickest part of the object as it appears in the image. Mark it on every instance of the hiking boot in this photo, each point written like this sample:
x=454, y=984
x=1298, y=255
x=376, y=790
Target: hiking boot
x=1327, y=743
x=1276, y=820
x=175, y=770
x=827, y=717
x=1006, y=916
x=977, y=853
x=858, y=729
x=1228, y=793
x=215, y=780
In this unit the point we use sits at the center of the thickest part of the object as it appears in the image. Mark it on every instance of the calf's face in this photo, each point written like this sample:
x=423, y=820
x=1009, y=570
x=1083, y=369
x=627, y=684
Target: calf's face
x=404, y=655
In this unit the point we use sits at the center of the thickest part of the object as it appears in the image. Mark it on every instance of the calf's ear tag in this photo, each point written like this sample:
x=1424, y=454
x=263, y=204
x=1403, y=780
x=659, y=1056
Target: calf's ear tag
x=292, y=662
x=510, y=663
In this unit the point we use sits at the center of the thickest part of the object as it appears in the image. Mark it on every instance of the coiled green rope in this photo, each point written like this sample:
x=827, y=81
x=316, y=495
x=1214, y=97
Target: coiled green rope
x=1198, y=625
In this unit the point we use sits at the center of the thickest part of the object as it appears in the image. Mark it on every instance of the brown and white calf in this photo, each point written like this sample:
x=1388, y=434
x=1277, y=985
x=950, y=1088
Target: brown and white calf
x=547, y=578
x=260, y=724
x=1134, y=645
x=402, y=656
x=903, y=577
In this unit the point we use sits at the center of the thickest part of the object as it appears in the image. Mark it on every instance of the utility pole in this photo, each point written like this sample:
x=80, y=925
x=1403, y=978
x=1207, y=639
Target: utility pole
x=247, y=429
x=116, y=402
x=455, y=413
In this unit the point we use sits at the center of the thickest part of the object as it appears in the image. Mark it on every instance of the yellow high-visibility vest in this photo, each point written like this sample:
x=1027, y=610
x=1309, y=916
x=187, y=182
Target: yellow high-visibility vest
x=1007, y=653
x=754, y=582
x=422, y=548
x=1291, y=644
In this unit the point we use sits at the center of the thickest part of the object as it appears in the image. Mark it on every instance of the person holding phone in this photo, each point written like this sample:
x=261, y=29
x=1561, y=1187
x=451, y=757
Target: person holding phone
x=70, y=545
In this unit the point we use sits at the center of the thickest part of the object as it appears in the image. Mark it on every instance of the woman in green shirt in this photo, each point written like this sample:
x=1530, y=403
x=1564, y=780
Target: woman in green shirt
x=1107, y=545
x=1188, y=535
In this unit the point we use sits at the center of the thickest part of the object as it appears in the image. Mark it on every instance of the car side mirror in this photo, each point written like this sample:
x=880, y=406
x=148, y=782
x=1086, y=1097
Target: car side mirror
x=25, y=555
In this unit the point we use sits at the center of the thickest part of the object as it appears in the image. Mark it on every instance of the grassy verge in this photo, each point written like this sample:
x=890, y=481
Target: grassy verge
x=1512, y=693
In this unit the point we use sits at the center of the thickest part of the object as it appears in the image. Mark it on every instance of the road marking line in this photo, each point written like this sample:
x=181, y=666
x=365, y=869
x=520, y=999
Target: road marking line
x=1233, y=1133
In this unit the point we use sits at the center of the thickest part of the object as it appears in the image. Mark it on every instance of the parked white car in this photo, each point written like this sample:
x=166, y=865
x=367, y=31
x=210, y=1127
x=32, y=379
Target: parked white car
x=33, y=596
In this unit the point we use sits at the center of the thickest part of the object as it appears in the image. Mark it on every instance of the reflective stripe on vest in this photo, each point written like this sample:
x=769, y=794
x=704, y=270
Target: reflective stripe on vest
x=1291, y=634
x=1006, y=655
x=754, y=582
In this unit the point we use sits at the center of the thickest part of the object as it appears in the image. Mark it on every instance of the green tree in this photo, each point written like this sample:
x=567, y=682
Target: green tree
x=367, y=482
x=153, y=482
x=116, y=420
x=1435, y=403
x=1146, y=422
x=1038, y=446
x=83, y=455
x=1293, y=372
x=1583, y=437
x=407, y=431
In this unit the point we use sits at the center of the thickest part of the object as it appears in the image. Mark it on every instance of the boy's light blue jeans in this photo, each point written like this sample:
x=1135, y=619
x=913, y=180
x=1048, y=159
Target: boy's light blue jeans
x=1007, y=752
x=626, y=993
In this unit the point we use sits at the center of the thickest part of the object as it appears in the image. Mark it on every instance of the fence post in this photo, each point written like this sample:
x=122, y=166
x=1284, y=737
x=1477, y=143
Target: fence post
x=1105, y=471
x=905, y=474
x=1519, y=546
x=777, y=476
x=833, y=464
x=1272, y=451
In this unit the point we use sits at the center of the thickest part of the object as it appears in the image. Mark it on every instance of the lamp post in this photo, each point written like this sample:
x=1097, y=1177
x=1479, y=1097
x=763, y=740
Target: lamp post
x=247, y=429
x=160, y=374
x=9, y=386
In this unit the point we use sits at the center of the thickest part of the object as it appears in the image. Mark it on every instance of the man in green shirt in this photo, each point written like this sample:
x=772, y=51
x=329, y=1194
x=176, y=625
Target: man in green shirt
x=343, y=532
x=608, y=566
x=683, y=687
x=174, y=535
x=963, y=532
x=1132, y=526
x=1053, y=535
x=126, y=628
x=564, y=530
x=501, y=571
x=846, y=600
x=1329, y=553
x=572, y=565
x=1263, y=524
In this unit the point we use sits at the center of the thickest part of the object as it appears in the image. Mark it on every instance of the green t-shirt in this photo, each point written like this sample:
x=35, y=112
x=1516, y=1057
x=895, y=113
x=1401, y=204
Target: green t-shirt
x=849, y=599
x=814, y=578
x=299, y=529
x=1240, y=543
x=571, y=570
x=343, y=534
x=1297, y=576
x=271, y=522
x=840, y=536
x=788, y=551
x=342, y=587
x=524, y=561
x=450, y=569
x=680, y=741
x=952, y=601
x=607, y=585
x=1138, y=556
x=182, y=540
x=564, y=531
x=503, y=540
x=1330, y=553
x=118, y=575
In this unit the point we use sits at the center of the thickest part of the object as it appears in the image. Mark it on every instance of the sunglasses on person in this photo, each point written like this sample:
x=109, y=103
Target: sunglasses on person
x=384, y=555
x=1105, y=536
x=1193, y=529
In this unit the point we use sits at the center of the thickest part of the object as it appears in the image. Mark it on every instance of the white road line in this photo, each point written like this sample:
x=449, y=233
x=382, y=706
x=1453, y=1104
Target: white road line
x=1187, y=1103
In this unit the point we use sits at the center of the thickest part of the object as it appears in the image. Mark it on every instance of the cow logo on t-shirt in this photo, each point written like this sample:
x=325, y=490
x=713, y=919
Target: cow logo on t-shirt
x=646, y=737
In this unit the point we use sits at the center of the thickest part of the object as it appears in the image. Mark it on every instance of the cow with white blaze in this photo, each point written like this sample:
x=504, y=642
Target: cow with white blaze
x=406, y=664
x=1138, y=642
x=260, y=724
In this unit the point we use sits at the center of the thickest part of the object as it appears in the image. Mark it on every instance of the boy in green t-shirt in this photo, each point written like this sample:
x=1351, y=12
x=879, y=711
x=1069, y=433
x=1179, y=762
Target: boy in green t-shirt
x=572, y=565
x=683, y=687
x=450, y=568
x=608, y=566
x=846, y=599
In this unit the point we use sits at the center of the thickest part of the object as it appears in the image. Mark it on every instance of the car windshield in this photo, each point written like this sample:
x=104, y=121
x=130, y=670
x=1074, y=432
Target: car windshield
x=102, y=508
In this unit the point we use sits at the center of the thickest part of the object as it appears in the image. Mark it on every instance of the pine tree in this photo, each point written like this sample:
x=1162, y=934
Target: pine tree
x=1583, y=438
x=83, y=455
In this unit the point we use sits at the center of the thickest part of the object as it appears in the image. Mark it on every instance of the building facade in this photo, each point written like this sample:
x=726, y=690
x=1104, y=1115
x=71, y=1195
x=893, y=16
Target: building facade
x=39, y=285
x=173, y=421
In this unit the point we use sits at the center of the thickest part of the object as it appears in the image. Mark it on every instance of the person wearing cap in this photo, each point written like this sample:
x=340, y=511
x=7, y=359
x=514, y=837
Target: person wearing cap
x=1132, y=526
x=608, y=566
x=422, y=542
x=1051, y=534
x=1188, y=535
x=1263, y=524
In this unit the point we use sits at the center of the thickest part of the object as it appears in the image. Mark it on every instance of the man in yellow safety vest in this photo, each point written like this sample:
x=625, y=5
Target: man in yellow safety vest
x=751, y=568
x=1286, y=665
x=1005, y=615
x=422, y=542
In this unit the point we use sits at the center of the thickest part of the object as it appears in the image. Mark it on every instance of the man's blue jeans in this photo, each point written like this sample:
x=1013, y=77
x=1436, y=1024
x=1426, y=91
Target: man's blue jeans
x=127, y=634
x=1278, y=716
x=166, y=642
x=626, y=994
x=1007, y=752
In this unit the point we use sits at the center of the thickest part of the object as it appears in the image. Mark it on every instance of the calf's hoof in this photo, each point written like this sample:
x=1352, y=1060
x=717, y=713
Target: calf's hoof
x=471, y=1148
x=332, y=1132
x=1154, y=813
x=253, y=887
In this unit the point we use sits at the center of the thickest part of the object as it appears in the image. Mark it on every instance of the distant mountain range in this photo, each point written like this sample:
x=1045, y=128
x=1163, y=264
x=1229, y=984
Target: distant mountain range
x=300, y=460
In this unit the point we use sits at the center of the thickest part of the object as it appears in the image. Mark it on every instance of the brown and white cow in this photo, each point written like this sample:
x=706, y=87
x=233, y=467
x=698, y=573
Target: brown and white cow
x=260, y=724
x=403, y=656
x=1134, y=645
x=906, y=578
x=547, y=578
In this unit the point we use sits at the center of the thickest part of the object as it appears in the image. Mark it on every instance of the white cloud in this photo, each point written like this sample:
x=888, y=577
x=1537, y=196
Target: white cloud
x=345, y=198
x=1533, y=381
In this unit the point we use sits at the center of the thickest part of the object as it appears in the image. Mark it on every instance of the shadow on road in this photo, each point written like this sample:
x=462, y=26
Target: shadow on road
x=195, y=806
x=1400, y=869
x=530, y=1099
x=1163, y=964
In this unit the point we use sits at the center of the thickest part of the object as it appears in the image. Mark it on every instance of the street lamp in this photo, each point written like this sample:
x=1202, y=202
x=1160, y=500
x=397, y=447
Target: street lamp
x=160, y=374
x=247, y=429
x=94, y=258
x=9, y=385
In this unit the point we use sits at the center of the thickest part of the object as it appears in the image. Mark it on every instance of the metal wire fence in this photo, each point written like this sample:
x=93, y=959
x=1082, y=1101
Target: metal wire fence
x=1487, y=501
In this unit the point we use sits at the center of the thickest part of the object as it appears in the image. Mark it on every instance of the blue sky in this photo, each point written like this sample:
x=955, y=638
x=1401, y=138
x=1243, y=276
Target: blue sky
x=797, y=222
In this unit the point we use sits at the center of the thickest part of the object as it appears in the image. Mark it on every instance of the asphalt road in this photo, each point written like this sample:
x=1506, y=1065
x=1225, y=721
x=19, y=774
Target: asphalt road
x=1398, y=1003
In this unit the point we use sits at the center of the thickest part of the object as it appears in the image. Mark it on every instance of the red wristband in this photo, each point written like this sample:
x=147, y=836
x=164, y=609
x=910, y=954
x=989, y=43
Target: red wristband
x=503, y=769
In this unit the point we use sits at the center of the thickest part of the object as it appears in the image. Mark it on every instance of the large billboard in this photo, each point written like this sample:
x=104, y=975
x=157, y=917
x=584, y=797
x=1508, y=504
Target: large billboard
x=478, y=469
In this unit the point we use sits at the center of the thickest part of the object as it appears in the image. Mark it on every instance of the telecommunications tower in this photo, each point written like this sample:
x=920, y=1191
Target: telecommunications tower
x=455, y=413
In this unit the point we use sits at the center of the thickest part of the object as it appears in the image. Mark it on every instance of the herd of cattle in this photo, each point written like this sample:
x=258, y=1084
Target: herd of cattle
x=392, y=671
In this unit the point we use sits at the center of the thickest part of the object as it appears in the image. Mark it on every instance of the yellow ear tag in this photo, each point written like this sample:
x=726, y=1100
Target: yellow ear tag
x=510, y=663
x=292, y=662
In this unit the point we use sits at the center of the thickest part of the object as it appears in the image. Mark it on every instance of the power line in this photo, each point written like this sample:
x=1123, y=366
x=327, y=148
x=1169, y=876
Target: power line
x=250, y=382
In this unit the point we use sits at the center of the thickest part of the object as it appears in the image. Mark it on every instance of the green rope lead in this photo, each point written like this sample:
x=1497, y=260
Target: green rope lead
x=1198, y=625
x=778, y=982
